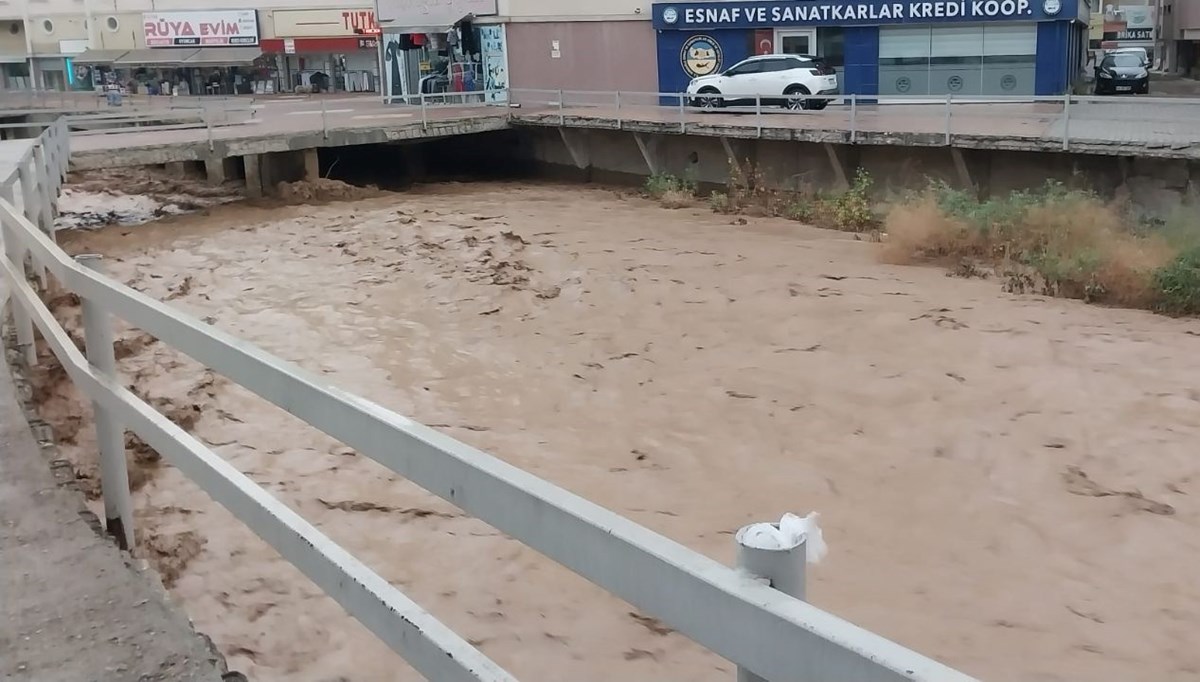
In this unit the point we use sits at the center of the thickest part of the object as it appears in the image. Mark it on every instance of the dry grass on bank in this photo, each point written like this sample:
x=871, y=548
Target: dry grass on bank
x=1054, y=241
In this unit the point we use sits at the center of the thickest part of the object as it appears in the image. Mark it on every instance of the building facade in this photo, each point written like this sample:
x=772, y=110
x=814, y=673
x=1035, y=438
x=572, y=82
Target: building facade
x=913, y=48
x=194, y=46
x=1179, y=36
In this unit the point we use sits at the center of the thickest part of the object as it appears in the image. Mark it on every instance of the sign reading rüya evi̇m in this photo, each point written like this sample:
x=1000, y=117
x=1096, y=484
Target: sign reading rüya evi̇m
x=766, y=13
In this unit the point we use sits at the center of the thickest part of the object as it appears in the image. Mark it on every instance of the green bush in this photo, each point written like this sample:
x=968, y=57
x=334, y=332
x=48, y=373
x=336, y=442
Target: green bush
x=1177, y=284
x=800, y=209
x=719, y=202
x=662, y=183
x=851, y=210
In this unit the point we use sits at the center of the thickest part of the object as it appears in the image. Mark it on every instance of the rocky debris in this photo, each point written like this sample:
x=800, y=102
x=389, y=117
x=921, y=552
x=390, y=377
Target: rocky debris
x=170, y=553
x=322, y=191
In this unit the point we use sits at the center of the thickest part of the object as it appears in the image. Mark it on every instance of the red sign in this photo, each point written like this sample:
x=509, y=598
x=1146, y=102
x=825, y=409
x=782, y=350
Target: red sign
x=361, y=22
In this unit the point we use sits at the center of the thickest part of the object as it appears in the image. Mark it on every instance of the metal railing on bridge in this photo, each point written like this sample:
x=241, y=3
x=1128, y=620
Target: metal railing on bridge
x=730, y=611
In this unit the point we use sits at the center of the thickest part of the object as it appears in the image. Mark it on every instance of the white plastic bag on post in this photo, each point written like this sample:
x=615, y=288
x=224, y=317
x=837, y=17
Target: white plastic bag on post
x=790, y=532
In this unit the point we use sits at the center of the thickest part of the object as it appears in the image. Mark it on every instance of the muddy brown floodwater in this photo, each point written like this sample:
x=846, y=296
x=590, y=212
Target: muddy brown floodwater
x=1007, y=483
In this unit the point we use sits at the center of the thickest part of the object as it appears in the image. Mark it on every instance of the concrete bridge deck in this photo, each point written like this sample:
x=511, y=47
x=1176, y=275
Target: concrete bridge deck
x=1159, y=128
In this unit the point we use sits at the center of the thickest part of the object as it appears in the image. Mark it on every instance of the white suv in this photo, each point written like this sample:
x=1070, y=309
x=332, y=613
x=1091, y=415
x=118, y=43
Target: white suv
x=772, y=78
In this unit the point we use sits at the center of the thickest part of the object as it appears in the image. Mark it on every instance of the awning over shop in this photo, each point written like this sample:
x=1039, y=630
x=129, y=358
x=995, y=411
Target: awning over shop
x=13, y=59
x=336, y=45
x=224, y=56
x=156, y=57
x=98, y=56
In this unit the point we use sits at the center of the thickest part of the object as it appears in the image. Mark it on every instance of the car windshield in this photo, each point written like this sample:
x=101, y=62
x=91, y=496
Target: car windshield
x=1123, y=60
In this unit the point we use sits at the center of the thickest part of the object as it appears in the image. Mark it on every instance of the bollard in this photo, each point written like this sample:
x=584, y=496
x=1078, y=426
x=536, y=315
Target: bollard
x=324, y=121
x=682, y=115
x=853, y=118
x=562, y=119
x=110, y=435
x=949, y=104
x=424, y=113
x=1066, y=122
x=782, y=569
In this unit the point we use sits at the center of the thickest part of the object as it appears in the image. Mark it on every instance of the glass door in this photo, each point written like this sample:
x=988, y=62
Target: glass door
x=796, y=41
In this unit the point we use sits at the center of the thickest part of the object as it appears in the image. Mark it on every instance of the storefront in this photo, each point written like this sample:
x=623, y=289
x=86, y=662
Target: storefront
x=193, y=53
x=444, y=49
x=914, y=48
x=339, y=48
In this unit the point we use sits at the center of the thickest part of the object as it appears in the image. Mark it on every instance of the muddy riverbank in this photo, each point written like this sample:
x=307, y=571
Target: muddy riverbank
x=1007, y=483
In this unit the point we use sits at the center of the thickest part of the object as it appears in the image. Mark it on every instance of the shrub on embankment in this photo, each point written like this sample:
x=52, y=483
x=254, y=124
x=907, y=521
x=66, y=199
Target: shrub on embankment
x=1055, y=240
x=748, y=194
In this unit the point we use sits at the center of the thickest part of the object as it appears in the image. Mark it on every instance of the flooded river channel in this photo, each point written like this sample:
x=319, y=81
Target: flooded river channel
x=1009, y=484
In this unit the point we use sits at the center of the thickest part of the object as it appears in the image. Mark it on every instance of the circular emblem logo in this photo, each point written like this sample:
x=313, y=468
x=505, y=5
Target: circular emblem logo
x=670, y=15
x=1008, y=81
x=700, y=56
x=903, y=84
x=1052, y=7
x=955, y=83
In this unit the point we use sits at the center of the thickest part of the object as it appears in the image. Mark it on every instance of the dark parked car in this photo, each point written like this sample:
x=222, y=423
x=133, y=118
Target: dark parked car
x=1122, y=72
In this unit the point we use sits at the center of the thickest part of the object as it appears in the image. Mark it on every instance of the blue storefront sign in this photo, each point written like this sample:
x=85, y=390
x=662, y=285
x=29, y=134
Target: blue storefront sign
x=785, y=13
x=909, y=48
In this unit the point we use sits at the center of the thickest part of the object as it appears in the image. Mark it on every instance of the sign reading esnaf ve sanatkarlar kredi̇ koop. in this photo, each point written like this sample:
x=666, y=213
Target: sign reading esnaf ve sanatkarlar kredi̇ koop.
x=780, y=13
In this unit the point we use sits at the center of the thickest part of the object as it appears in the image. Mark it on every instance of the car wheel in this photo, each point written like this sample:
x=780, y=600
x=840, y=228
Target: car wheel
x=795, y=103
x=817, y=104
x=710, y=99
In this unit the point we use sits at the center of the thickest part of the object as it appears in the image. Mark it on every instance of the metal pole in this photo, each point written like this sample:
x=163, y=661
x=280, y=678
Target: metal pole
x=208, y=127
x=782, y=569
x=853, y=118
x=324, y=120
x=618, y=98
x=562, y=120
x=424, y=112
x=16, y=256
x=758, y=114
x=1066, y=121
x=949, y=101
x=682, y=116
x=110, y=435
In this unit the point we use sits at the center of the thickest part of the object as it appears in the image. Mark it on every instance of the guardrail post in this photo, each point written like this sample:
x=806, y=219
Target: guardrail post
x=853, y=118
x=562, y=119
x=949, y=103
x=110, y=435
x=783, y=569
x=682, y=115
x=324, y=120
x=424, y=113
x=16, y=256
x=758, y=114
x=618, y=99
x=1066, y=121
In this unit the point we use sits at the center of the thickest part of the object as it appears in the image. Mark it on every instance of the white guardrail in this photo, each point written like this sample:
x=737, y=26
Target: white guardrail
x=733, y=612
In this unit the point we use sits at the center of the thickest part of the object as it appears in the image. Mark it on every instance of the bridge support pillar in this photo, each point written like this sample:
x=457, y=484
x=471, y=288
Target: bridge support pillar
x=215, y=171
x=576, y=142
x=837, y=160
x=312, y=165
x=254, y=180
x=648, y=145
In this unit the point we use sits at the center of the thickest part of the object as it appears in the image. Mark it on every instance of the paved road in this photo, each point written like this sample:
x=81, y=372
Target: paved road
x=71, y=607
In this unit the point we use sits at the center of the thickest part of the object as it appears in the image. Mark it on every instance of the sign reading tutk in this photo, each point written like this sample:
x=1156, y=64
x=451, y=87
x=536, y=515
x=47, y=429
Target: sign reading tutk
x=199, y=29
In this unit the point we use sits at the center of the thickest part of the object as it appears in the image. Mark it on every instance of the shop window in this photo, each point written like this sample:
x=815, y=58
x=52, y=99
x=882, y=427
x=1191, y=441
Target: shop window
x=831, y=46
x=997, y=59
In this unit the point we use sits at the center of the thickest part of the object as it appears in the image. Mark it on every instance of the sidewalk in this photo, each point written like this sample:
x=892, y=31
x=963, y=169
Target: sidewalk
x=72, y=609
